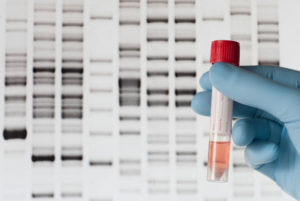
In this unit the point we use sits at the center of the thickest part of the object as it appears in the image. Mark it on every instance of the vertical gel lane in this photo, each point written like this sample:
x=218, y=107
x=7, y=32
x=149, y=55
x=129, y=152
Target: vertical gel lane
x=130, y=144
x=15, y=132
x=44, y=69
x=72, y=99
x=185, y=89
x=158, y=139
x=101, y=72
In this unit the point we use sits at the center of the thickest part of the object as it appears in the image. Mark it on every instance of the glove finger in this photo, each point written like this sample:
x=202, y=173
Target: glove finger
x=282, y=75
x=205, y=82
x=261, y=152
x=202, y=101
x=256, y=91
x=246, y=130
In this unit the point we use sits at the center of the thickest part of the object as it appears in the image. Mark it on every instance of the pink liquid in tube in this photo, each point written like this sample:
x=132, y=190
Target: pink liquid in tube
x=221, y=115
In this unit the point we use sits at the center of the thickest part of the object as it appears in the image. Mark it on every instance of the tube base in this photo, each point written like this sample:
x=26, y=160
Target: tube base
x=218, y=161
x=216, y=174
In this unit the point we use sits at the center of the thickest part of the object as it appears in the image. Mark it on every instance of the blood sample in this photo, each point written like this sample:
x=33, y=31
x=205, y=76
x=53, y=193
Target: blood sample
x=221, y=115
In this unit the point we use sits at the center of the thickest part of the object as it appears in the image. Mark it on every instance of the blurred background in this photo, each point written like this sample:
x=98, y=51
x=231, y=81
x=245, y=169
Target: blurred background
x=95, y=96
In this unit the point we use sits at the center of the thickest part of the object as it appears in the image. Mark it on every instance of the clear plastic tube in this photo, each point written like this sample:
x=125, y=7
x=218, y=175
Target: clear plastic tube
x=219, y=138
x=221, y=116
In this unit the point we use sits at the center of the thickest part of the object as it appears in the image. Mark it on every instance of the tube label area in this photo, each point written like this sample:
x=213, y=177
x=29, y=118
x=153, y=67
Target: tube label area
x=221, y=114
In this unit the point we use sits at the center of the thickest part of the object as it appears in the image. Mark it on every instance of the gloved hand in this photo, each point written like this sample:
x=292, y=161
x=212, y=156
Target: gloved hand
x=267, y=101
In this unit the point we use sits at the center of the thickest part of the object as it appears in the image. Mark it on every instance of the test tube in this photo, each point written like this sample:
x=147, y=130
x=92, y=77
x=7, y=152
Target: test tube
x=221, y=115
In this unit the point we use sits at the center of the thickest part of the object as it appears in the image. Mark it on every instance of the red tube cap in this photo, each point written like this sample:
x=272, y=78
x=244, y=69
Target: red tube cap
x=227, y=51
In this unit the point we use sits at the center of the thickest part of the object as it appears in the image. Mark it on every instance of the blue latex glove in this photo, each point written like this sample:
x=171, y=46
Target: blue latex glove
x=267, y=101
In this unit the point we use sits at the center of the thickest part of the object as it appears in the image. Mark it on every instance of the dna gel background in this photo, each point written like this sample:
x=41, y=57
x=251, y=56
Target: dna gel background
x=95, y=96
